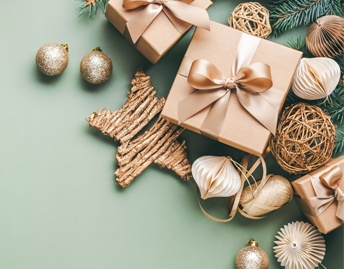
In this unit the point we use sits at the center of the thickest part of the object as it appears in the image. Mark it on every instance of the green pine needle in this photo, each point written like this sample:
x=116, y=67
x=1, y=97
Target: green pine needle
x=91, y=6
x=300, y=45
x=339, y=141
x=285, y=15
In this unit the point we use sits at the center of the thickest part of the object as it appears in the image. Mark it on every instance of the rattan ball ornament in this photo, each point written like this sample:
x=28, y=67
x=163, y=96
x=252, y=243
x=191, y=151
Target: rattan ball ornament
x=251, y=18
x=304, y=139
x=325, y=37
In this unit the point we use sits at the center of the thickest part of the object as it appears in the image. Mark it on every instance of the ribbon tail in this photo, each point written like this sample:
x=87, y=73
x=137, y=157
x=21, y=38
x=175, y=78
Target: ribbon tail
x=213, y=123
x=260, y=109
x=139, y=23
x=188, y=13
x=340, y=210
x=196, y=102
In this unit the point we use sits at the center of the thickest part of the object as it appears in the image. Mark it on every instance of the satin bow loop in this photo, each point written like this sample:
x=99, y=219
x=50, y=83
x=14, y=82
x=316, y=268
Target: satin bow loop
x=328, y=191
x=212, y=86
x=175, y=10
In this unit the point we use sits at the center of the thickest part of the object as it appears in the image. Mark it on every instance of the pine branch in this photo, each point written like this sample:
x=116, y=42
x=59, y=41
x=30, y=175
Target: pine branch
x=285, y=15
x=339, y=141
x=300, y=45
x=334, y=104
x=91, y=6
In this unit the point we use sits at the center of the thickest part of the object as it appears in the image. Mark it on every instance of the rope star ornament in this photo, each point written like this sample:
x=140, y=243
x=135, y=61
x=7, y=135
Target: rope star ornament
x=157, y=145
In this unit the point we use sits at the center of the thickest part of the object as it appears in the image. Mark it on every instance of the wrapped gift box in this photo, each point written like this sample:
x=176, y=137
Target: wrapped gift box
x=309, y=199
x=219, y=46
x=161, y=34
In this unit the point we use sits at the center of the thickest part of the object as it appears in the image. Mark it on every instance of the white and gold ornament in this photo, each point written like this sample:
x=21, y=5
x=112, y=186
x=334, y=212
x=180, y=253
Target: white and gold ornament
x=52, y=59
x=96, y=67
x=256, y=201
x=216, y=176
x=299, y=245
x=316, y=78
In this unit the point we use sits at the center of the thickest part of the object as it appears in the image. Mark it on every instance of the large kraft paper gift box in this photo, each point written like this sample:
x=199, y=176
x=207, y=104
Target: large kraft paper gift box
x=164, y=30
x=223, y=54
x=320, y=195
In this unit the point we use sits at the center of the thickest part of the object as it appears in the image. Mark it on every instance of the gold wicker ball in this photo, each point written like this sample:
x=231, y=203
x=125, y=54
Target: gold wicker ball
x=304, y=139
x=251, y=18
x=325, y=37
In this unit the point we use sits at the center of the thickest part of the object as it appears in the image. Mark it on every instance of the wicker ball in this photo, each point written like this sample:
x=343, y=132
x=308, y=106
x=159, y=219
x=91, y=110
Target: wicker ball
x=325, y=37
x=251, y=18
x=304, y=139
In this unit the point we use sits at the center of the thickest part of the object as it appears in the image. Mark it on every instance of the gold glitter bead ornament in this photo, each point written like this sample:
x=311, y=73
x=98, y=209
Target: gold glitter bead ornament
x=96, y=67
x=252, y=257
x=52, y=59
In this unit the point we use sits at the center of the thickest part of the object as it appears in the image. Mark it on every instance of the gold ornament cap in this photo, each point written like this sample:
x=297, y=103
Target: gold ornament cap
x=252, y=243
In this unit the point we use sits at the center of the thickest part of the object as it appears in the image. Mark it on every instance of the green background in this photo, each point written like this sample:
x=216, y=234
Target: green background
x=59, y=204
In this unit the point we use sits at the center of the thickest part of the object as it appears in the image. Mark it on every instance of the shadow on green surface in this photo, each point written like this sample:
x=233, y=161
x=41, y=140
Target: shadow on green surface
x=98, y=135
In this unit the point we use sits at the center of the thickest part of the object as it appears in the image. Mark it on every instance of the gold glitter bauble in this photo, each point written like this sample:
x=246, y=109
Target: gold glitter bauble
x=52, y=59
x=96, y=67
x=252, y=257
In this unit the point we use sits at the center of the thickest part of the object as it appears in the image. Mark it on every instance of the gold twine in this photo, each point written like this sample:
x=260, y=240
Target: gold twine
x=273, y=195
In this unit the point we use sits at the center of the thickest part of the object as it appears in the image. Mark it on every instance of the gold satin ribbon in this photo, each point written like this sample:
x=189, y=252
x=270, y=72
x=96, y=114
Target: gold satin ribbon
x=250, y=80
x=327, y=191
x=175, y=10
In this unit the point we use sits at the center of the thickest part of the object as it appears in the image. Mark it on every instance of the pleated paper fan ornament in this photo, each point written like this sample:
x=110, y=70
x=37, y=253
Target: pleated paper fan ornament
x=299, y=245
x=316, y=78
x=325, y=37
x=216, y=176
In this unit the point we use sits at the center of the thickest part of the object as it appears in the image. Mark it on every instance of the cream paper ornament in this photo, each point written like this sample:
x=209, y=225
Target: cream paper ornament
x=299, y=245
x=216, y=176
x=316, y=78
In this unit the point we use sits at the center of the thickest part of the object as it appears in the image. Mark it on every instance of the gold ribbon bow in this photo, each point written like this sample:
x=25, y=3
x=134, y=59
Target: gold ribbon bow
x=250, y=80
x=175, y=10
x=327, y=192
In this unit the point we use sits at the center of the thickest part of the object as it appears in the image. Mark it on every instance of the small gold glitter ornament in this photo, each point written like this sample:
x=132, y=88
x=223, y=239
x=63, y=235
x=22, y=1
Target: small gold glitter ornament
x=96, y=66
x=252, y=257
x=52, y=59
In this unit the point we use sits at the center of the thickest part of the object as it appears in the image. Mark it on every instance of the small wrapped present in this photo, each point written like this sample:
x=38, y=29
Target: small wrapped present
x=231, y=87
x=320, y=195
x=154, y=26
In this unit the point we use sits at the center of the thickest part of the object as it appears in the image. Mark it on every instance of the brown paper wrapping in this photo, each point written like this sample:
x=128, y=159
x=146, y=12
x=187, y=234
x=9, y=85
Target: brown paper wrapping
x=327, y=221
x=219, y=46
x=160, y=36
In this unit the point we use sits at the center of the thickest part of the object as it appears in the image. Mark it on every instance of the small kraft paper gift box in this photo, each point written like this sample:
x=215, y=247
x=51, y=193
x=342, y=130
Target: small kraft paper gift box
x=320, y=195
x=231, y=87
x=154, y=26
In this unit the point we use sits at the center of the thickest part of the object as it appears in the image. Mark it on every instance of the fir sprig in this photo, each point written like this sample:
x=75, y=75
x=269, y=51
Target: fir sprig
x=285, y=15
x=339, y=141
x=91, y=6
